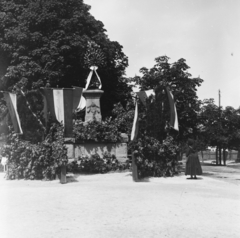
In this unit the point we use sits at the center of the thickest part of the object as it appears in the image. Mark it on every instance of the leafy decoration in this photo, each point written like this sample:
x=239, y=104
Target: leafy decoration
x=95, y=164
x=94, y=55
x=95, y=131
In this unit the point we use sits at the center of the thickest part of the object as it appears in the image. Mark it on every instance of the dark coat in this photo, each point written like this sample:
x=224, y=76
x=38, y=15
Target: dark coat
x=193, y=166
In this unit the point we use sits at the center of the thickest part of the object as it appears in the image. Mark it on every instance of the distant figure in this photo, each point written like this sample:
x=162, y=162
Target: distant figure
x=193, y=167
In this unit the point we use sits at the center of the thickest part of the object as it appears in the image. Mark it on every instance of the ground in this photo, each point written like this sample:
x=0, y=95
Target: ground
x=112, y=205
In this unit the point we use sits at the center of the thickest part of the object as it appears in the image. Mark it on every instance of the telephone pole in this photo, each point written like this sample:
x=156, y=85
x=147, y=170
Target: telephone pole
x=219, y=99
x=219, y=125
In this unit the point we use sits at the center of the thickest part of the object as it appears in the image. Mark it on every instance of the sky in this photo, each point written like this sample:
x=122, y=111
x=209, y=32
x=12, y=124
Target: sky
x=206, y=33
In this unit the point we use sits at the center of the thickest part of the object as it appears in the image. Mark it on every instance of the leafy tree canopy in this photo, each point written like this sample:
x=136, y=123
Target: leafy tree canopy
x=220, y=127
x=46, y=40
x=183, y=87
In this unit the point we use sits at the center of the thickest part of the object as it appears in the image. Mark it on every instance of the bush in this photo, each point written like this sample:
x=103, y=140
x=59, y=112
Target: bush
x=95, y=131
x=35, y=161
x=95, y=164
x=154, y=158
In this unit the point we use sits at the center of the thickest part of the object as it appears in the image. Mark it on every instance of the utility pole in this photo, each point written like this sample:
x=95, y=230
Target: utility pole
x=219, y=125
x=219, y=99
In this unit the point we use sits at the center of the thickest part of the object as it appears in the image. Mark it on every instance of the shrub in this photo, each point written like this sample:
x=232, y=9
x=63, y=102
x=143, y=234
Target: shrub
x=154, y=158
x=95, y=164
x=95, y=131
x=35, y=161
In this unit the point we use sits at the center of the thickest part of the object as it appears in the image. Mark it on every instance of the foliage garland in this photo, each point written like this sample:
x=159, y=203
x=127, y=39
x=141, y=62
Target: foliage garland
x=95, y=164
x=95, y=131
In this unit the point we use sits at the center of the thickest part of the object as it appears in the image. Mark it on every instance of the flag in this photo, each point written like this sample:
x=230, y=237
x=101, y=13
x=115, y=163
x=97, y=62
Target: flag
x=61, y=103
x=173, y=110
x=143, y=95
x=29, y=107
x=11, y=100
x=134, y=132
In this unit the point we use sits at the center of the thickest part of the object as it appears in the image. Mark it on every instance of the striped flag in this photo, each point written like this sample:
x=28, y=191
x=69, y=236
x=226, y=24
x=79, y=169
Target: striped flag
x=11, y=100
x=61, y=103
x=134, y=132
x=30, y=109
x=173, y=110
x=143, y=95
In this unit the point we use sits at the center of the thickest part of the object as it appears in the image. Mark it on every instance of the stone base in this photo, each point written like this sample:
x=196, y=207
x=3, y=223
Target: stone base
x=86, y=149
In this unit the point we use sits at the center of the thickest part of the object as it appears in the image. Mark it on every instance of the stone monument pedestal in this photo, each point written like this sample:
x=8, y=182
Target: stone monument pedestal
x=93, y=109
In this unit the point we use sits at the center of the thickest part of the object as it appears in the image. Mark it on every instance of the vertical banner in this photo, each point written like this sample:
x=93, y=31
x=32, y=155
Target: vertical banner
x=61, y=104
x=143, y=95
x=135, y=126
x=59, y=109
x=29, y=107
x=173, y=110
x=11, y=100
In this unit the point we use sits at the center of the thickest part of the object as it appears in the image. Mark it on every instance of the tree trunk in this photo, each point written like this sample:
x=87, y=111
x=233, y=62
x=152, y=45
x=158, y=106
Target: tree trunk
x=238, y=155
x=224, y=156
x=63, y=178
x=217, y=155
x=134, y=169
x=220, y=155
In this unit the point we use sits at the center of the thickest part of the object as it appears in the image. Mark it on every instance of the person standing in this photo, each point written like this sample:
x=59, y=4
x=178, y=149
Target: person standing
x=193, y=166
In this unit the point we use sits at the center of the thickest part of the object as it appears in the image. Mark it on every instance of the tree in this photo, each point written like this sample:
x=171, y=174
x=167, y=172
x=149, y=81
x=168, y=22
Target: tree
x=220, y=127
x=157, y=147
x=231, y=124
x=184, y=89
x=210, y=124
x=46, y=40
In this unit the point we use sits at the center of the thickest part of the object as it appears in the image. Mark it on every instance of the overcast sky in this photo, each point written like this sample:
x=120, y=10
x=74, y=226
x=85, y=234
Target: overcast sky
x=204, y=32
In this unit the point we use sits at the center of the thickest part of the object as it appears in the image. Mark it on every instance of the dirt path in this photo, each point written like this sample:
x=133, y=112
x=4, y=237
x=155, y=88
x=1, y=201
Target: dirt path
x=226, y=173
x=229, y=173
x=111, y=205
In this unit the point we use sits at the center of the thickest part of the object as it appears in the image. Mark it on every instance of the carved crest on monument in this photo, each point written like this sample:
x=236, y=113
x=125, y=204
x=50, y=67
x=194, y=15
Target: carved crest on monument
x=93, y=108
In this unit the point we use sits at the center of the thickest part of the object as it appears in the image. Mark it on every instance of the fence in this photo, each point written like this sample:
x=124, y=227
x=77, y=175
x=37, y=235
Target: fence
x=211, y=155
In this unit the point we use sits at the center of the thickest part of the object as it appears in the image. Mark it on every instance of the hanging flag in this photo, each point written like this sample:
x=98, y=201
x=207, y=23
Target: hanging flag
x=61, y=103
x=30, y=109
x=11, y=100
x=173, y=110
x=143, y=95
x=82, y=103
x=134, y=132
